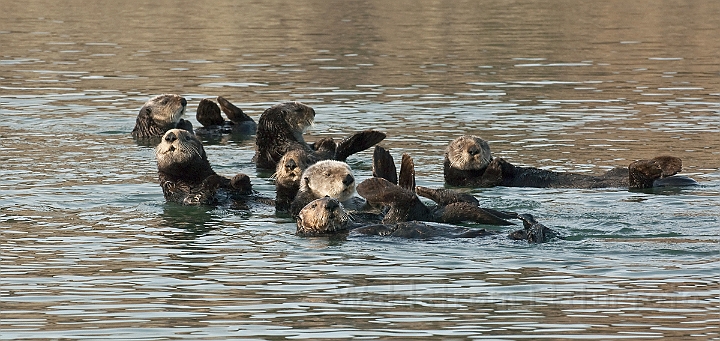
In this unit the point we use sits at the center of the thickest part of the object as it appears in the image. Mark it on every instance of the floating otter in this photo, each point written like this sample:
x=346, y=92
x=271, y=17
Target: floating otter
x=327, y=216
x=214, y=125
x=324, y=178
x=281, y=127
x=160, y=114
x=186, y=176
x=468, y=162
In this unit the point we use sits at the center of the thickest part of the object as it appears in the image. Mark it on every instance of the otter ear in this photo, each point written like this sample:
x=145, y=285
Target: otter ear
x=307, y=181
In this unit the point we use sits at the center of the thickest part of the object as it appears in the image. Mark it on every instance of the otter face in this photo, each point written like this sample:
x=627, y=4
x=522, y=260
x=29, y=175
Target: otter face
x=178, y=147
x=291, y=167
x=166, y=109
x=468, y=153
x=299, y=117
x=159, y=114
x=329, y=178
x=321, y=216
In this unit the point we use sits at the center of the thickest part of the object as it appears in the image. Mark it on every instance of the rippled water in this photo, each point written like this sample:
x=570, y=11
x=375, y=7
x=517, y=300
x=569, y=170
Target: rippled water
x=90, y=250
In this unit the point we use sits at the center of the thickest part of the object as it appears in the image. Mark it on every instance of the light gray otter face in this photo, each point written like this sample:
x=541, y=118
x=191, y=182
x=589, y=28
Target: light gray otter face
x=166, y=109
x=329, y=178
x=178, y=147
x=468, y=153
x=322, y=216
x=290, y=168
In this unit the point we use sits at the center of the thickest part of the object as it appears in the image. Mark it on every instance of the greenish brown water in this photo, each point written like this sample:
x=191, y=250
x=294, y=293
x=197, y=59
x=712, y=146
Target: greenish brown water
x=91, y=251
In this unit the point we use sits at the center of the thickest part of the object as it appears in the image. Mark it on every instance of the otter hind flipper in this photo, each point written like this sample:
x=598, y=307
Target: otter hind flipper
x=379, y=190
x=208, y=113
x=357, y=143
x=233, y=113
x=406, y=179
x=384, y=165
x=533, y=231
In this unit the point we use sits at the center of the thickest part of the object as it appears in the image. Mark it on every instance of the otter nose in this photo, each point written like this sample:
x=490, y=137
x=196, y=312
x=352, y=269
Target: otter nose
x=332, y=205
x=183, y=101
x=348, y=180
x=473, y=151
x=291, y=164
x=170, y=137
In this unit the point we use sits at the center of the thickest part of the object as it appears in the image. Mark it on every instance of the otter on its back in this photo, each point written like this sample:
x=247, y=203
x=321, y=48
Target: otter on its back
x=160, y=114
x=186, y=176
x=468, y=163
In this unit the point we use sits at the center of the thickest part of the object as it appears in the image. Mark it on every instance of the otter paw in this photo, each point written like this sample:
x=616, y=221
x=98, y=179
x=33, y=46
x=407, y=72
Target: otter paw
x=241, y=182
x=493, y=173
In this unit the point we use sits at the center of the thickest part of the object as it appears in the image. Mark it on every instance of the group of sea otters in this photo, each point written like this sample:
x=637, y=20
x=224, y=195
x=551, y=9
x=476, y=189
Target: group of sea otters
x=316, y=187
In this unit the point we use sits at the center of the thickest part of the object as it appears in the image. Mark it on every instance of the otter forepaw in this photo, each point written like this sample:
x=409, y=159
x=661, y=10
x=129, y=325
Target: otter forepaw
x=493, y=173
x=241, y=182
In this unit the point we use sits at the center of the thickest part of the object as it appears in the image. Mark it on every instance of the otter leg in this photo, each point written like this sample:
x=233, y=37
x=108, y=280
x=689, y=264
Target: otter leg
x=461, y=211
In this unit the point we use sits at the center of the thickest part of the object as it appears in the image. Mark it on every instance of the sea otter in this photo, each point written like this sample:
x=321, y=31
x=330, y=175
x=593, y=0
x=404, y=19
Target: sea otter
x=214, y=125
x=327, y=216
x=281, y=127
x=186, y=176
x=325, y=178
x=468, y=162
x=160, y=114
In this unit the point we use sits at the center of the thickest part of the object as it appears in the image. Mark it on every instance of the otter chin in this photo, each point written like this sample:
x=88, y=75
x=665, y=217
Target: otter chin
x=160, y=114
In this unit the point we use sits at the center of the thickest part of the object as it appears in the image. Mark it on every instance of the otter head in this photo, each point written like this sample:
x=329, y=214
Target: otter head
x=322, y=216
x=295, y=116
x=468, y=153
x=180, y=153
x=159, y=114
x=290, y=168
x=329, y=178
